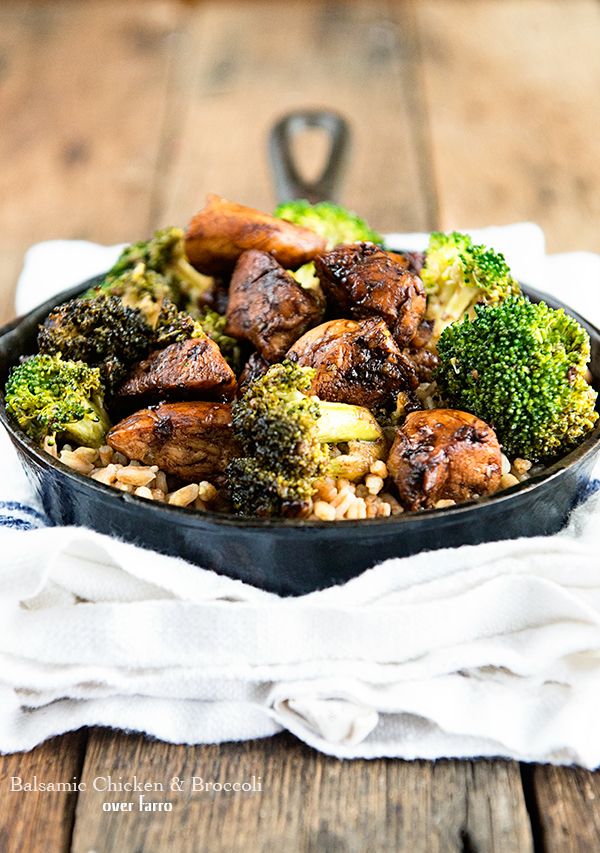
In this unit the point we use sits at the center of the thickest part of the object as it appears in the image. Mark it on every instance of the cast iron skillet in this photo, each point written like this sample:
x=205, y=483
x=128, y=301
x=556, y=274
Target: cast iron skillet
x=292, y=557
x=286, y=556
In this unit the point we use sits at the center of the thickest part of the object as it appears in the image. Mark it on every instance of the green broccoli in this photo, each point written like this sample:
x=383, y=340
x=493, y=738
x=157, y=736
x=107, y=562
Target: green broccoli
x=263, y=492
x=521, y=367
x=334, y=223
x=307, y=277
x=139, y=288
x=174, y=326
x=284, y=434
x=102, y=332
x=164, y=253
x=459, y=274
x=150, y=293
x=49, y=397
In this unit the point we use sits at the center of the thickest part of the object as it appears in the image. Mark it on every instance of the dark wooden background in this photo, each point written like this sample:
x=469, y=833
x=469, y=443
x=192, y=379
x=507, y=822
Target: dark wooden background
x=116, y=117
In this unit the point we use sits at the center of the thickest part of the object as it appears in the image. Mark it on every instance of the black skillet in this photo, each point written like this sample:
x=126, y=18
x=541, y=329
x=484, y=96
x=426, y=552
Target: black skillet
x=286, y=556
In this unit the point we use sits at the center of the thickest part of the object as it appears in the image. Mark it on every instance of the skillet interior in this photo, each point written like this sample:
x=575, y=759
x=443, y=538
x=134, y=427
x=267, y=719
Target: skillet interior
x=292, y=556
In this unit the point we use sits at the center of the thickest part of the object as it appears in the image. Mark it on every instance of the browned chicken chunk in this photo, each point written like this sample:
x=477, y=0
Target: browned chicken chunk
x=255, y=367
x=357, y=361
x=424, y=359
x=443, y=454
x=191, y=440
x=192, y=368
x=222, y=230
x=424, y=362
x=362, y=280
x=268, y=307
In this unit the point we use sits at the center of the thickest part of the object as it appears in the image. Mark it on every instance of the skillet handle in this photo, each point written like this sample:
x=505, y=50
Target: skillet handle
x=289, y=184
x=8, y=327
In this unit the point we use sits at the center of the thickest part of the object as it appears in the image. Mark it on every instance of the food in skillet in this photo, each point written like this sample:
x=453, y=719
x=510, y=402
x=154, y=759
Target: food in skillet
x=291, y=366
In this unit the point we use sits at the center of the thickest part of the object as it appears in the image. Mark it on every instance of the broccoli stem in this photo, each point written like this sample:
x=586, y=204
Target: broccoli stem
x=198, y=282
x=91, y=430
x=343, y=422
x=460, y=301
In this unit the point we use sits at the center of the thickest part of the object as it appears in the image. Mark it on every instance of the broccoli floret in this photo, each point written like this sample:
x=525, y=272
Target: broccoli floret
x=459, y=274
x=333, y=222
x=102, y=332
x=165, y=254
x=149, y=294
x=263, y=492
x=284, y=433
x=138, y=288
x=521, y=367
x=213, y=325
x=50, y=397
x=174, y=326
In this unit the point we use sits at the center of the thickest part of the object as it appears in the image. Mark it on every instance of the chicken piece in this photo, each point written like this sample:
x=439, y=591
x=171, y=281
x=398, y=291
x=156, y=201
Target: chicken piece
x=357, y=361
x=255, y=367
x=191, y=440
x=411, y=261
x=362, y=280
x=268, y=307
x=222, y=230
x=423, y=356
x=424, y=362
x=423, y=335
x=443, y=454
x=190, y=369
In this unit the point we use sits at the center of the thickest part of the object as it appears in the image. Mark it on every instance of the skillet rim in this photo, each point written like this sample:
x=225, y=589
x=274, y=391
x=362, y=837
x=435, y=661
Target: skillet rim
x=587, y=447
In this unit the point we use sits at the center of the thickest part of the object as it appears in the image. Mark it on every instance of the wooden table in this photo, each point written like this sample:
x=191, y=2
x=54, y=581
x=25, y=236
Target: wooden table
x=117, y=117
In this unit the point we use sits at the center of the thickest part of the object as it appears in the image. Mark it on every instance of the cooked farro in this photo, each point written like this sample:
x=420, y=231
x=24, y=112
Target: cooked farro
x=335, y=499
x=145, y=481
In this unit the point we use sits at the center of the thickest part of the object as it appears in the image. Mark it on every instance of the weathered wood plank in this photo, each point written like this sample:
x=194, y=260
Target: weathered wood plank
x=565, y=807
x=308, y=802
x=512, y=137
x=513, y=92
x=37, y=821
x=240, y=65
x=82, y=97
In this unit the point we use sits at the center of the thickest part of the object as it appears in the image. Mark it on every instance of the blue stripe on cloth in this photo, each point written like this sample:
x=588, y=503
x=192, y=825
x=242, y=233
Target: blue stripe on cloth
x=17, y=523
x=19, y=516
x=24, y=508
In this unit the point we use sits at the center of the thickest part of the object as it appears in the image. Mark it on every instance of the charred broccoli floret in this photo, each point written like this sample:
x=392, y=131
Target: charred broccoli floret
x=102, y=332
x=50, y=397
x=264, y=492
x=284, y=433
x=139, y=288
x=335, y=223
x=521, y=367
x=174, y=326
x=164, y=253
x=459, y=274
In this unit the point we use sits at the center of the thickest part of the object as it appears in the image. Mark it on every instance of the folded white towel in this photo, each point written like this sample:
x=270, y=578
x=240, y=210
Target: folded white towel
x=485, y=650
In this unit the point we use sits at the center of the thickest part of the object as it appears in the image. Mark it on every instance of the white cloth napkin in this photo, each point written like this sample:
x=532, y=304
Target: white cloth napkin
x=488, y=650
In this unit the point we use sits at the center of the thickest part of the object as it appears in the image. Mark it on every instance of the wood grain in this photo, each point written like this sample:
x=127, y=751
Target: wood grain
x=119, y=117
x=308, y=802
x=566, y=808
x=82, y=99
x=40, y=821
x=240, y=66
x=513, y=98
